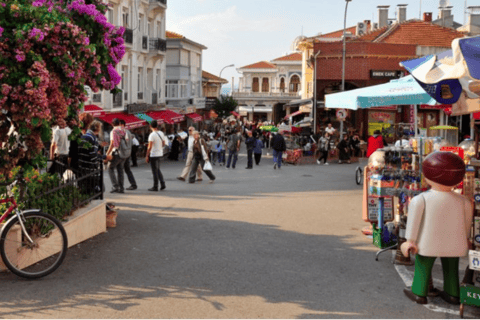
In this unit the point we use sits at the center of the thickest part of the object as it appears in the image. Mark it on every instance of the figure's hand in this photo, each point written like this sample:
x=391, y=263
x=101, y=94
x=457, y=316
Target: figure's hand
x=147, y=158
x=407, y=247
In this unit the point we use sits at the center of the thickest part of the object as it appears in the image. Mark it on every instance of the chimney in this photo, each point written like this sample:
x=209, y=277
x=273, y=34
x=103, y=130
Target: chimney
x=402, y=13
x=382, y=16
x=427, y=16
x=444, y=12
x=474, y=16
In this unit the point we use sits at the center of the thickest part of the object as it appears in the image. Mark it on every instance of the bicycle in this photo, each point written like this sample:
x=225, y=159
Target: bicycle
x=359, y=175
x=33, y=244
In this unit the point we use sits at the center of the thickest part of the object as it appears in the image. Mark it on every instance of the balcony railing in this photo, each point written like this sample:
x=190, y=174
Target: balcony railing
x=97, y=97
x=157, y=44
x=164, y=2
x=128, y=36
x=117, y=99
x=154, y=98
x=266, y=94
x=145, y=42
x=140, y=96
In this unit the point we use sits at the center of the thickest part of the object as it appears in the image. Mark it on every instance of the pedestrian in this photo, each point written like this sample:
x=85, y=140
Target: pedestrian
x=60, y=148
x=188, y=163
x=116, y=162
x=200, y=157
x=257, y=151
x=233, y=145
x=355, y=145
x=126, y=164
x=156, y=141
x=343, y=150
x=175, y=150
x=324, y=147
x=212, y=145
x=374, y=142
x=250, y=143
x=278, y=146
x=330, y=129
x=135, y=145
x=220, y=147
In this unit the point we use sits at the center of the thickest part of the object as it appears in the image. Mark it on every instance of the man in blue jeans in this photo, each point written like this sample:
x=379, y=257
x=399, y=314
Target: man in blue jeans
x=233, y=145
x=278, y=146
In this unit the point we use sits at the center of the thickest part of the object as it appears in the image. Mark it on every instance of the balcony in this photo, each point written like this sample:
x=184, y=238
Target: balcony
x=117, y=99
x=266, y=94
x=128, y=36
x=157, y=44
x=145, y=42
x=140, y=96
x=97, y=97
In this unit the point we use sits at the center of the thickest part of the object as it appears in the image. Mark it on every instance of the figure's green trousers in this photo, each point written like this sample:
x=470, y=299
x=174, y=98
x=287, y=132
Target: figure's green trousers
x=423, y=271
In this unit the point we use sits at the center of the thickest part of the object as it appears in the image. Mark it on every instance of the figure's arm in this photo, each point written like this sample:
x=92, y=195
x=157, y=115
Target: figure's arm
x=416, y=211
x=149, y=148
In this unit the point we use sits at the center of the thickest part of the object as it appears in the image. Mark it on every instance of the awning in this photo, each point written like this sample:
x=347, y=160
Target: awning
x=131, y=121
x=94, y=110
x=296, y=103
x=168, y=116
x=194, y=116
x=296, y=113
x=255, y=109
x=236, y=114
x=143, y=116
x=210, y=115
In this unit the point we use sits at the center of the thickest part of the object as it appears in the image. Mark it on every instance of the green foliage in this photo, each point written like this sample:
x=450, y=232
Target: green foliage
x=225, y=105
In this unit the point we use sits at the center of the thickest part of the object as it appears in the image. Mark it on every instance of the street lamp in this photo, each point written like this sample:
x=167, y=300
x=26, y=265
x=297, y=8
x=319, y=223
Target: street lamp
x=343, y=57
x=231, y=65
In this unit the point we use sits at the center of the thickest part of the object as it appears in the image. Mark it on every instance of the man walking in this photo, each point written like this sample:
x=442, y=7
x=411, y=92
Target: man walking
x=278, y=146
x=233, y=145
x=117, y=161
x=126, y=165
x=250, y=143
x=188, y=163
x=156, y=141
x=59, y=148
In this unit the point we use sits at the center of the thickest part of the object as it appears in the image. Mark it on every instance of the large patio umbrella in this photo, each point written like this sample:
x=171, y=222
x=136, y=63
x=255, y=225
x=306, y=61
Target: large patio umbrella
x=452, y=76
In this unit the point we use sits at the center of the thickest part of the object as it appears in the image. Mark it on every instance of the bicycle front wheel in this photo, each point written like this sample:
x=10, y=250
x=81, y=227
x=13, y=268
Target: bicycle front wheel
x=358, y=175
x=38, y=258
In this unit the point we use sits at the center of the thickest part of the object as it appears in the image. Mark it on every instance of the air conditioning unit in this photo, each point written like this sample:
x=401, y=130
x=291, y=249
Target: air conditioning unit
x=375, y=26
x=361, y=28
x=391, y=21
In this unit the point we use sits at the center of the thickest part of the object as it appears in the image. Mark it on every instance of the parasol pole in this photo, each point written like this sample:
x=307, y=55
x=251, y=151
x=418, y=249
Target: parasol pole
x=415, y=121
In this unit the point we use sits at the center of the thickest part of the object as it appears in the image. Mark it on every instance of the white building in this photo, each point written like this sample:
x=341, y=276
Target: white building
x=144, y=64
x=265, y=87
x=184, y=74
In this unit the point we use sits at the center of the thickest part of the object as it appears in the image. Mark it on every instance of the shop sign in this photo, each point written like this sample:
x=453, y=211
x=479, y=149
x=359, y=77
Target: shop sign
x=385, y=108
x=305, y=109
x=189, y=109
x=412, y=117
x=142, y=108
x=386, y=74
x=243, y=113
x=341, y=114
x=373, y=208
x=210, y=102
x=457, y=150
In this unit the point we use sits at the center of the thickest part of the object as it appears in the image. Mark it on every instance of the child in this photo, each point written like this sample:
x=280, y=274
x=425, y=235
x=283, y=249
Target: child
x=220, y=148
x=257, y=150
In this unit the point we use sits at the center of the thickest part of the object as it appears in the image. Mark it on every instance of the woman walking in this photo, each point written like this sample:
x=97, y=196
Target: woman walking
x=324, y=147
x=200, y=156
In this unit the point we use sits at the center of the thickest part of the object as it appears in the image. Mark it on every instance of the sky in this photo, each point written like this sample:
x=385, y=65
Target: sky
x=247, y=31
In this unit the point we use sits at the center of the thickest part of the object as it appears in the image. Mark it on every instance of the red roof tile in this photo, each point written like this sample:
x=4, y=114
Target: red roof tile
x=173, y=35
x=291, y=57
x=209, y=76
x=339, y=33
x=260, y=65
x=415, y=32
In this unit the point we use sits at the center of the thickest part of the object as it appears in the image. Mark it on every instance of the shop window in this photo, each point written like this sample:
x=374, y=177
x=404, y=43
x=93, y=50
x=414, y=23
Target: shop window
x=255, y=85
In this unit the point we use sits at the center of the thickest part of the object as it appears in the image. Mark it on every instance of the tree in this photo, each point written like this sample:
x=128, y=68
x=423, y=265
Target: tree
x=225, y=105
x=49, y=51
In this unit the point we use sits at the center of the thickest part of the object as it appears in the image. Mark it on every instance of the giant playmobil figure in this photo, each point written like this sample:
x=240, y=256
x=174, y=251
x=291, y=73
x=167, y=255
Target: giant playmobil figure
x=439, y=222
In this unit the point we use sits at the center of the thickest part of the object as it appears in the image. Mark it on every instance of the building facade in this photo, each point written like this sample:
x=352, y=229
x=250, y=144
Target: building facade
x=144, y=64
x=266, y=87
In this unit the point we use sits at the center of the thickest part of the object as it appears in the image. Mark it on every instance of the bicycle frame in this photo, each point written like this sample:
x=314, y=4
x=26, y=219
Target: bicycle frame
x=13, y=207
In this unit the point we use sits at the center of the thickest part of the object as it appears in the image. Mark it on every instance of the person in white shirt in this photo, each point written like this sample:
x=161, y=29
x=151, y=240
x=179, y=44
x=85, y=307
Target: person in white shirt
x=402, y=142
x=439, y=223
x=331, y=130
x=156, y=141
x=188, y=163
x=60, y=147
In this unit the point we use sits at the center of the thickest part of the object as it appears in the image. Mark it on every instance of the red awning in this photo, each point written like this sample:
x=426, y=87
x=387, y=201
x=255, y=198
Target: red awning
x=210, y=115
x=435, y=107
x=168, y=116
x=131, y=121
x=94, y=110
x=156, y=115
x=194, y=116
x=236, y=114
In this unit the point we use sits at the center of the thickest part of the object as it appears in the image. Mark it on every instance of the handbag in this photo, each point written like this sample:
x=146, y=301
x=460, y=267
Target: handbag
x=207, y=166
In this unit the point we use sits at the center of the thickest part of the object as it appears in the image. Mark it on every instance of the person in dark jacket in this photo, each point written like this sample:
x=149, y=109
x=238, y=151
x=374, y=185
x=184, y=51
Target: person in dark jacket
x=250, y=143
x=344, y=150
x=200, y=156
x=175, y=151
x=278, y=146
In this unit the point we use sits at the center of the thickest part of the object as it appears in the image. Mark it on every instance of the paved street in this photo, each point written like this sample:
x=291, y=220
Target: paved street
x=258, y=243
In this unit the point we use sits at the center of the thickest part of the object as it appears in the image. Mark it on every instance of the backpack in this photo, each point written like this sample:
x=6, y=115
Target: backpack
x=125, y=147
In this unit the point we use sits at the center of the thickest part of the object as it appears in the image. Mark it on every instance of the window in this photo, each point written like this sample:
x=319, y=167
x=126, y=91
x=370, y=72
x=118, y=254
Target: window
x=158, y=81
x=171, y=88
x=183, y=88
x=255, y=85
x=282, y=85
x=124, y=18
x=110, y=16
x=265, y=87
x=184, y=57
x=173, y=57
x=140, y=80
x=194, y=89
x=124, y=83
x=140, y=24
x=294, y=84
x=159, y=29
x=195, y=60
x=150, y=30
